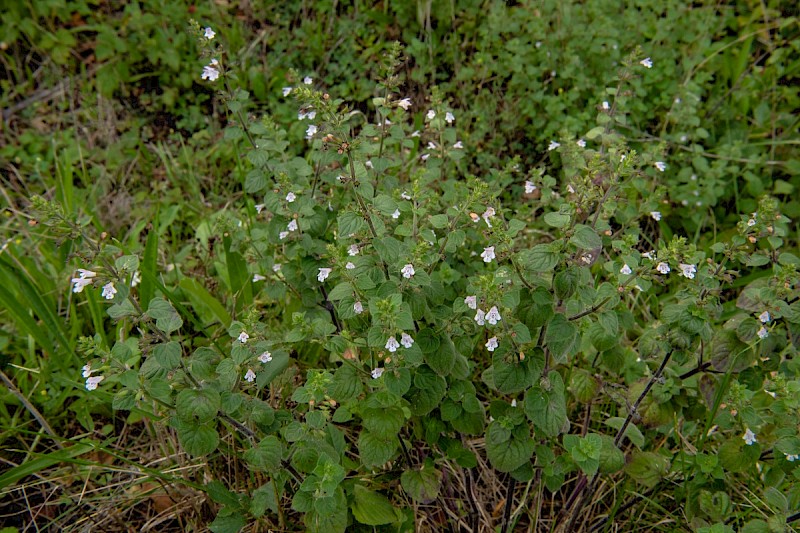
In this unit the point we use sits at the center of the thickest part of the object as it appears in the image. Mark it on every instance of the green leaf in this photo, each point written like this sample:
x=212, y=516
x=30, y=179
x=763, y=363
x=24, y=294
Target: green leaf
x=556, y=220
x=238, y=275
x=197, y=406
x=427, y=392
x=439, y=221
x=266, y=456
x=371, y=508
x=218, y=492
x=346, y=384
x=562, y=338
x=423, y=484
x=198, y=439
x=443, y=359
x=384, y=423
x=506, y=455
x=648, y=468
x=228, y=524
x=375, y=451
x=540, y=258
x=510, y=378
x=342, y=290
x=168, y=355
x=349, y=223
x=586, y=238
x=546, y=406
x=166, y=317
x=631, y=432
x=203, y=302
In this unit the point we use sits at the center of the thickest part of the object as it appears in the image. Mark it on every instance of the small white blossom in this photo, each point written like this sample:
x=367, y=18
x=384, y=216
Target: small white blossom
x=764, y=317
x=661, y=166
x=358, y=307
x=87, y=370
x=136, y=278
x=109, y=291
x=286, y=91
x=350, y=265
x=570, y=189
x=622, y=158
x=489, y=213
x=406, y=340
x=352, y=250
x=265, y=357
x=276, y=267
x=458, y=145
x=210, y=71
x=424, y=157
x=376, y=373
x=449, y=118
x=308, y=80
x=250, y=376
x=243, y=337
x=471, y=301
x=493, y=316
x=282, y=235
x=291, y=197
x=663, y=268
x=553, y=145
x=749, y=437
x=86, y=274
x=625, y=270
x=646, y=62
x=80, y=283
x=369, y=164
x=513, y=403
x=431, y=114
x=751, y=222
x=488, y=254
x=656, y=215
x=408, y=271
x=405, y=196
x=763, y=333
x=581, y=143
x=605, y=105
x=529, y=187
x=208, y=33
x=93, y=381
x=392, y=345
x=687, y=271
x=259, y=208
x=405, y=103
x=416, y=133
x=480, y=317
x=792, y=457
x=324, y=273
x=292, y=226
x=431, y=145
x=396, y=214
x=258, y=277
x=491, y=344
x=649, y=255
x=311, y=131
x=774, y=395
x=311, y=115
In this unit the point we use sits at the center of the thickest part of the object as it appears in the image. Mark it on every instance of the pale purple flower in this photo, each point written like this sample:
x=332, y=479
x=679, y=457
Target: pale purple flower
x=292, y=226
x=751, y=222
x=663, y=268
x=276, y=267
x=646, y=62
x=656, y=215
x=480, y=317
x=529, y=187
x=308, y=80
x=488, y=254
x=406, y=340
x=350, y=265
x=282, y=235
x=431, y=114
x=581, y=143
x=250, y=376
x=93, y=381
x=396, y=214
x=358, y=307
x=286, y=91
x=763, y=333
x=259, y=208
x=764, y=317
x=625, y=270
x=458, y=145
x=208, y=33
x=553, y=145
x=311, y=131
x=687, y=271
x=661, y=166
x=243, y=337
x=605, y=105
x=109, y=291
x=405, y=196
x=749, y=437
x=265, y=357
x=369, y=164
x=491, y=344
x=449, y=118
x=80, y=283
x=408, y=271
x=376, y=373
x=416, y=133
x=352, y=250
x=405, y=103
x=431, y=145
x=210, y=71
x=86, y=274
x=87, y=370
x=424, y=157
x=291, y=197
x=493, y=316
x=392, y=345
x=471, y=301
x=258, y=277
x=324, y=273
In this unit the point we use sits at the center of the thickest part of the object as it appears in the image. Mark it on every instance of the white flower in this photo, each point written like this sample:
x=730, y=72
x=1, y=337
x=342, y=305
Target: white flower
x=358, y=307
x=458, y=145
x=282, y=235
x=276, y=267
x=749, y=437
x=392, y=345
x=243, y=336
x=762, y=333
x=489, y=213
x=291, y=197
x=292, y=226
x=493, y=316
x=625, y=270
x=265, y=357
x=311, y=115
x=408, y=271
x=570, y=189
x=258, y=277
x=424, y=157
x=80, y=283
x=622, y=158
x=581, y=143
x=488, y=254
x=764, y=317
x=311, y=131
x=405, y=103
x=208, y=33
x=87, y=370
x=259, y=208
x=553, y=146
x=661, y=166
x=406, y=340
x=250, y=376
x=416, y=133
x=286, y=91
x=663, y=268
x=109, y=291
x=431, y=145
x=93, y=382
x=491, y=344
x=369, y=164
x=751, y=222
x=480, y=317
x=656, y=215
x=210, y=71
x=308, y=80
x=86, y=274
x=529, y=187
x=649, y=255
x=352, y=250
x=646, y=62
x=687, y=271
x=376, y=373
x=792, y=457
x=396, y=214
x=606, y=106
x=471, y=301
x=431, y=114
x=324, y=273
x=449, y=118
x=405, y=196
x=136, y=278
x=350, y=265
